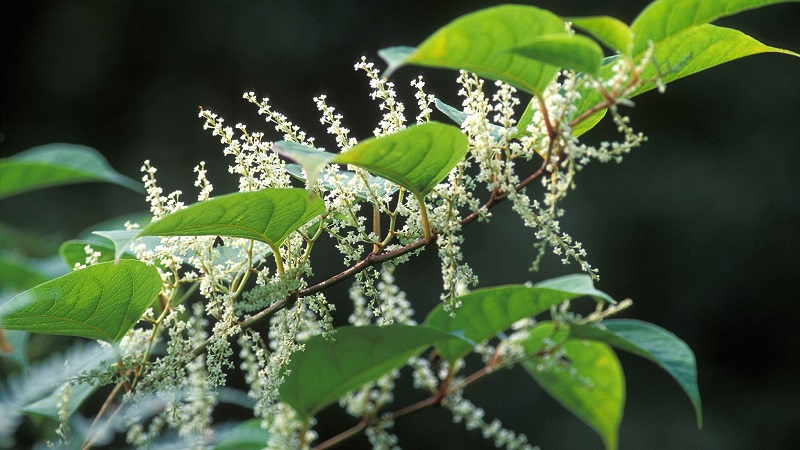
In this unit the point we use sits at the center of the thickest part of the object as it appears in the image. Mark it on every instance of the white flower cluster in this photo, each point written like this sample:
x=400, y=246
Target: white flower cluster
x=394, y=118
x=365, y=217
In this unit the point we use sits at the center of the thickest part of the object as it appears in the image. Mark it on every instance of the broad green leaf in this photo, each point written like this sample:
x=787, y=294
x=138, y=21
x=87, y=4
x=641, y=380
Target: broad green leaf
x=664, y=18
x=57, y=164
x=568, y=51
x=378, y=185
x=699, y=48
x=328, y=369
x=416, y=158
x=486, y=312
x=610, y=31
x=589, y=383
x=267, y=215
x=482, y=42
x=651, y=342
x=99, y=302
x=246, y=436
x=684, y=43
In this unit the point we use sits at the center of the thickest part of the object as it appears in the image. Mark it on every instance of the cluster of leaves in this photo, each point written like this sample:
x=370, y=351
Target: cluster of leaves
x=130, y=287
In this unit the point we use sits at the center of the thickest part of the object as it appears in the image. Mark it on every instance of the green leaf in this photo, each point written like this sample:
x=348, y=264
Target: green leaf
x=57, y=164
x=486, y=312
x=416, y=158
x=589, y=123
x=568, y=51
x=610, y=31
x=482, y=42
x=651, y=342
x=589, y=382
x=246, y=436
x=99, y=302
x=267, y=215
x=328, y=369
x=699, y=48
x=664, y=18
x=684, y=43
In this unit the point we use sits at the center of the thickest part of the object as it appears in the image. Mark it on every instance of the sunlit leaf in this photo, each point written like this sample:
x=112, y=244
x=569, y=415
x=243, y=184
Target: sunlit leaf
x=486, y=312
x=57, y=164
x=610, y=31
x=699, y=48
x=99, y=302
x=511, y=43
x=588, y=380
x=330, y=368
x=651, y=342
x=416, y=158
x=684, y=43
x=484, y=42
x=664, y=18
x=267, y=215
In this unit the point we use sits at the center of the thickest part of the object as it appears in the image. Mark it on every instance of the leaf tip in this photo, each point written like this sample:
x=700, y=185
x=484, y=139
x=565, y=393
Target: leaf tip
x=395, y=57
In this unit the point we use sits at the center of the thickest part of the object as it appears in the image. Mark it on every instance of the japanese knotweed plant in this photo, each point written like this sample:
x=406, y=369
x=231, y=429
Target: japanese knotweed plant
x=171, y=299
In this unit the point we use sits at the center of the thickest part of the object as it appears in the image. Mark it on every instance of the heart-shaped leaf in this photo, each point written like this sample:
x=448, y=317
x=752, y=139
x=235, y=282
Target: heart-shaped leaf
x=267, y=215
x=651, y=342
x=664, y=18
x=416, y=158
x=521, y=45
x=588, y=380
x=486, y=312
x=99, y=302
x=57, y=164
x=328, y=369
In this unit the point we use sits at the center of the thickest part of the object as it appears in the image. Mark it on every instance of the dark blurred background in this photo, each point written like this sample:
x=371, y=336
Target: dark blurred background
x=699, y=227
